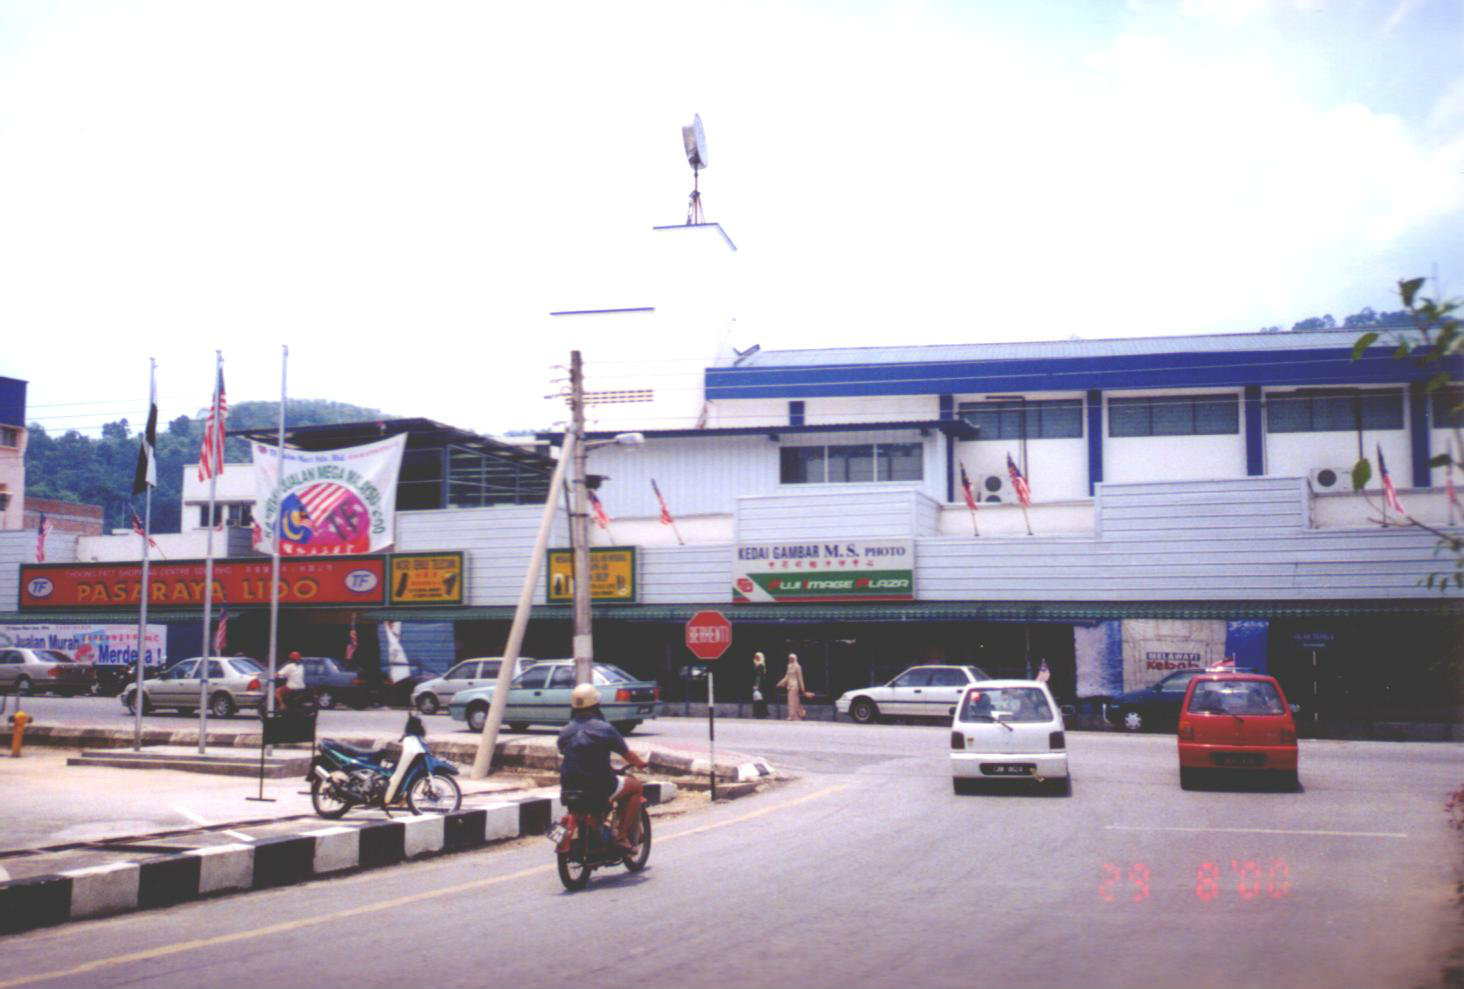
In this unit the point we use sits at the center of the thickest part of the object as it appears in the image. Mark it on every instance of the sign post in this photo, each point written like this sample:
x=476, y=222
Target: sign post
x=708, y=634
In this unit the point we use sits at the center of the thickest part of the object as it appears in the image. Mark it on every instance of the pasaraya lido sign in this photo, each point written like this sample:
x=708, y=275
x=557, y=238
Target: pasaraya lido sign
x=824, y=570
x=358, y=580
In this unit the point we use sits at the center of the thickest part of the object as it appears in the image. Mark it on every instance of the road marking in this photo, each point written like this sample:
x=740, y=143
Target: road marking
x=165, y=951
x=1295, y=831
x=197, y=819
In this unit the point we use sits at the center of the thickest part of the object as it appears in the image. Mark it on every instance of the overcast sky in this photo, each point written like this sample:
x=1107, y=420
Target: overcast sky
x=402, y=192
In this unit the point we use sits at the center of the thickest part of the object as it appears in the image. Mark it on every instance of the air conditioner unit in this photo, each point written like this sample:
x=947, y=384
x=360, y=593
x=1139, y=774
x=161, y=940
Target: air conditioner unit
x=995, y=487
x=1330, y=478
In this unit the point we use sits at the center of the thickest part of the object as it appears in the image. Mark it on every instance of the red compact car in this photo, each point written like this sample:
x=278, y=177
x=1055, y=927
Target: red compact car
x=1236, y=721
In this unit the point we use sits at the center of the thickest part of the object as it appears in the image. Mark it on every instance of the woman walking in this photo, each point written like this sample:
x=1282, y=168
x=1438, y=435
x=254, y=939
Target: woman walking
x=759, y=686
x=793, y=682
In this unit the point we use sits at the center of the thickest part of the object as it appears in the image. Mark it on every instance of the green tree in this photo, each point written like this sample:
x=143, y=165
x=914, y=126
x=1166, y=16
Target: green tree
x=73, y=467
x=1432, y=341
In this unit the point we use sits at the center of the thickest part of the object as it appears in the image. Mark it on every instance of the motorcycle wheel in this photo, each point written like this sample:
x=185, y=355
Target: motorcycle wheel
x=327, y=804
x=637, y=862
x=574, y=867
x=434, y=795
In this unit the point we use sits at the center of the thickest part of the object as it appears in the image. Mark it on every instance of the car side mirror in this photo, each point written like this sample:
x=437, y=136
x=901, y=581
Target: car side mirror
x=1295, y=708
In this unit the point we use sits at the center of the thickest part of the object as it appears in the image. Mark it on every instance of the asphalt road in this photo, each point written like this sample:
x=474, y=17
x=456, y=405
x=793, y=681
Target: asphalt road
x=868, y=871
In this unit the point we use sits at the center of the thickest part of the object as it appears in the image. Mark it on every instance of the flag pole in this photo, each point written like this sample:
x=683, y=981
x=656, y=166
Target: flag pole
x=213, y=491
x=139, y=699
x=1027, y=519
x=274, y=542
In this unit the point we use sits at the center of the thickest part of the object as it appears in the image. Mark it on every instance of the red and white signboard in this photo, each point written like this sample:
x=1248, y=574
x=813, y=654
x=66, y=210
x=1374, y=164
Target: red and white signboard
x=708, y=634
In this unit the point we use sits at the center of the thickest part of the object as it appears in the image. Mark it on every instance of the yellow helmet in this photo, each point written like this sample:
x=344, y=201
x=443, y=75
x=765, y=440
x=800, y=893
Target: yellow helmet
x=585, y=695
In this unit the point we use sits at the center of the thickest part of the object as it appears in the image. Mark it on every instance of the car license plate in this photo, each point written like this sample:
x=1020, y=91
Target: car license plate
x=1008, y=768
x=644, y=709
x=1239, y=759
x=556, y=834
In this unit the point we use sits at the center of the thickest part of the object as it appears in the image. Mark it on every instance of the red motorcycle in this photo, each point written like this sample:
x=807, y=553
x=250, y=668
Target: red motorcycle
x=585, y=841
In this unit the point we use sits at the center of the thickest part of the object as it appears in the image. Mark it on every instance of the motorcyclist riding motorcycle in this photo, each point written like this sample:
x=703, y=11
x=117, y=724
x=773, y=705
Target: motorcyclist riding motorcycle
x=289, y=679
x=586, y=743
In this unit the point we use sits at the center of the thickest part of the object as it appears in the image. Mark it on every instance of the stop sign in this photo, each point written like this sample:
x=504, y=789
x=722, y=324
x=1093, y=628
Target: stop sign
x=708, y=634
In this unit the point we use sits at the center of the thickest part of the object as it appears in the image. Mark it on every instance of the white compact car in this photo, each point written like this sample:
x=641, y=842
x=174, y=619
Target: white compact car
x=1009, y=730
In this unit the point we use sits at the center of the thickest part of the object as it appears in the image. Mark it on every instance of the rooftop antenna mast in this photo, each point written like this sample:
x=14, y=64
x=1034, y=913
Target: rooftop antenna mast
x=695, y=140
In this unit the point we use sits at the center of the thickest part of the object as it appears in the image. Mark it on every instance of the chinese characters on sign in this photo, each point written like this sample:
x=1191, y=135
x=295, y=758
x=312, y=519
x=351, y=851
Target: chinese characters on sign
x=612, y=575
x=427, y=578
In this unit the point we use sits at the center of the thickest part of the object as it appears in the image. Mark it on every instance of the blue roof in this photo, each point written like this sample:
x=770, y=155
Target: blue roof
x=1298, y=358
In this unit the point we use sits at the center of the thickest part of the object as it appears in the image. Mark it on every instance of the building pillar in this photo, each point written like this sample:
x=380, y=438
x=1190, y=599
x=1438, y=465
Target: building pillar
x=1095, y=439
x=1419, y=435
x=1255, y=459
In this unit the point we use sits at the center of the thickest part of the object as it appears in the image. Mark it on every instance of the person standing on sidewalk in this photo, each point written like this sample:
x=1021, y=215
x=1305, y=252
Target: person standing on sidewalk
x=793, y=682
x=759, y=686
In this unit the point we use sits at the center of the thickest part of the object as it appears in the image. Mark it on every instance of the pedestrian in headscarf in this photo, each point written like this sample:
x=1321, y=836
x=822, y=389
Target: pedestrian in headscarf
x=759, y=685
x=793, y=682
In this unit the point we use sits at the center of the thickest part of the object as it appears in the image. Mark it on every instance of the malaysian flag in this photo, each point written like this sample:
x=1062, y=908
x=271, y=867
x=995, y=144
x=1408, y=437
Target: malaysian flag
x=42, y=531
x=147, y=461
x=137, y=528
x=221, y=634
x=1024, y=493
x=665, y=512
x=601, y=518
x=1390, y=493
x=967, y=490
x=351, y=641
x=211, y=456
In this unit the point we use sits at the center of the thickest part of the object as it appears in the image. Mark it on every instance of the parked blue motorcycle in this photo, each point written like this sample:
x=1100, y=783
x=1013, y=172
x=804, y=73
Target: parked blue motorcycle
x=343, y=776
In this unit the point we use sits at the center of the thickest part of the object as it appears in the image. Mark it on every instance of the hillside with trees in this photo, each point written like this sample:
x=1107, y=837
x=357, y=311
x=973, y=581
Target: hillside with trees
x=73, y=467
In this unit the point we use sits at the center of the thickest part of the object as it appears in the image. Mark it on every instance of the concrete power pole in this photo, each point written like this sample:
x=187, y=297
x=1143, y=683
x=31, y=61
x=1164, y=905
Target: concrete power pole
x=584, y=648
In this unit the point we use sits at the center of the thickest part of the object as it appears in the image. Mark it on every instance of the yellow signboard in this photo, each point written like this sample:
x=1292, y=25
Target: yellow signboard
x=426, y=578
x=612, y=575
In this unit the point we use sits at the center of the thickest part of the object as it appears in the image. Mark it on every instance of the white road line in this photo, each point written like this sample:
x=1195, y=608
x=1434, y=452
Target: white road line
x=1296, y=831
x=196, y=819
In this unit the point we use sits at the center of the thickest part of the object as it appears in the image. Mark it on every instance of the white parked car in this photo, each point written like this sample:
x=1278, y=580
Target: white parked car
x=920, y=692
x=432, y=696
x=1009, y=730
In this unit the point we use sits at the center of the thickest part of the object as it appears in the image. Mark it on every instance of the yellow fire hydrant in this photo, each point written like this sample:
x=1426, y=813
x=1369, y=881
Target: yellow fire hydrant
x=19, y=720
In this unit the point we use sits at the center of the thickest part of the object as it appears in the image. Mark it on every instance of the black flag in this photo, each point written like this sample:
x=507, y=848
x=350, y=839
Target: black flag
x=147, y=467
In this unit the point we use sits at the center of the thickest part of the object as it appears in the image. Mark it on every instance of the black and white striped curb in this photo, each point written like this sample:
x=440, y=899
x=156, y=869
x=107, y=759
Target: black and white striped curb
x=166, y=880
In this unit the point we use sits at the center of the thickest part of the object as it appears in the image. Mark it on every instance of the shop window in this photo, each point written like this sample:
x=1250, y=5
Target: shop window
x=1329, y=410
x=1174, y=415
x=1003, y=419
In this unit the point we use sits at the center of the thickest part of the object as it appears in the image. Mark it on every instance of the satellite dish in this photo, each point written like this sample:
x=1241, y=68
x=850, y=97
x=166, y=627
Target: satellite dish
x=695, y=140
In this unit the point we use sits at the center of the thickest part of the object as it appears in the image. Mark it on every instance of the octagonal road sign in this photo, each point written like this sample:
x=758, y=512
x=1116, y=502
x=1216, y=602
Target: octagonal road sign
x=708, y=634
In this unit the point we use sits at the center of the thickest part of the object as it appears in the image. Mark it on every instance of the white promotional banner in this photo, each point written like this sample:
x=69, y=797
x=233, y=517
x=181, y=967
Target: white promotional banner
x=101, y=644
x=331, y=502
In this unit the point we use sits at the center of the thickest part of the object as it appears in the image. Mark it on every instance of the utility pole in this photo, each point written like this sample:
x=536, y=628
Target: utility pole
x=584, y=648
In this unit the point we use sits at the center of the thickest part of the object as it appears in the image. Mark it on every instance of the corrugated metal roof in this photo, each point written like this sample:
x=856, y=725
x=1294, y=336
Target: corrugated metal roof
x=1337, y=339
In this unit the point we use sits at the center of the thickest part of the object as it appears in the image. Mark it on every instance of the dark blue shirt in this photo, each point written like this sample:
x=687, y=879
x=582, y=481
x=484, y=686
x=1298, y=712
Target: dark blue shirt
x=586, y=743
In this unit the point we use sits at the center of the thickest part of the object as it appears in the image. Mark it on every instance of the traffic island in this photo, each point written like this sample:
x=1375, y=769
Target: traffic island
x=139, y=878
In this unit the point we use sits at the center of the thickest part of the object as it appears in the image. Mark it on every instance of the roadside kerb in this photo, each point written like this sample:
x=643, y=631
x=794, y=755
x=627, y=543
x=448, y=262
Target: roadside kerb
x=190, y=874
x=536, y=753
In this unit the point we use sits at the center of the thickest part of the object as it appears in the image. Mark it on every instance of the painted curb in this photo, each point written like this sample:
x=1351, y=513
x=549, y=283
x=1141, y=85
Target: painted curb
x=321, y=850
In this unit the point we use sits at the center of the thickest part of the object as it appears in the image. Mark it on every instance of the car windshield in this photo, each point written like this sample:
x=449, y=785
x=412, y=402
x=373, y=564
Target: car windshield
x=245, y=665
x=1018, y=704
x=53, y=656
x=1235, y=697
x=977, y=672
x=605, y=673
